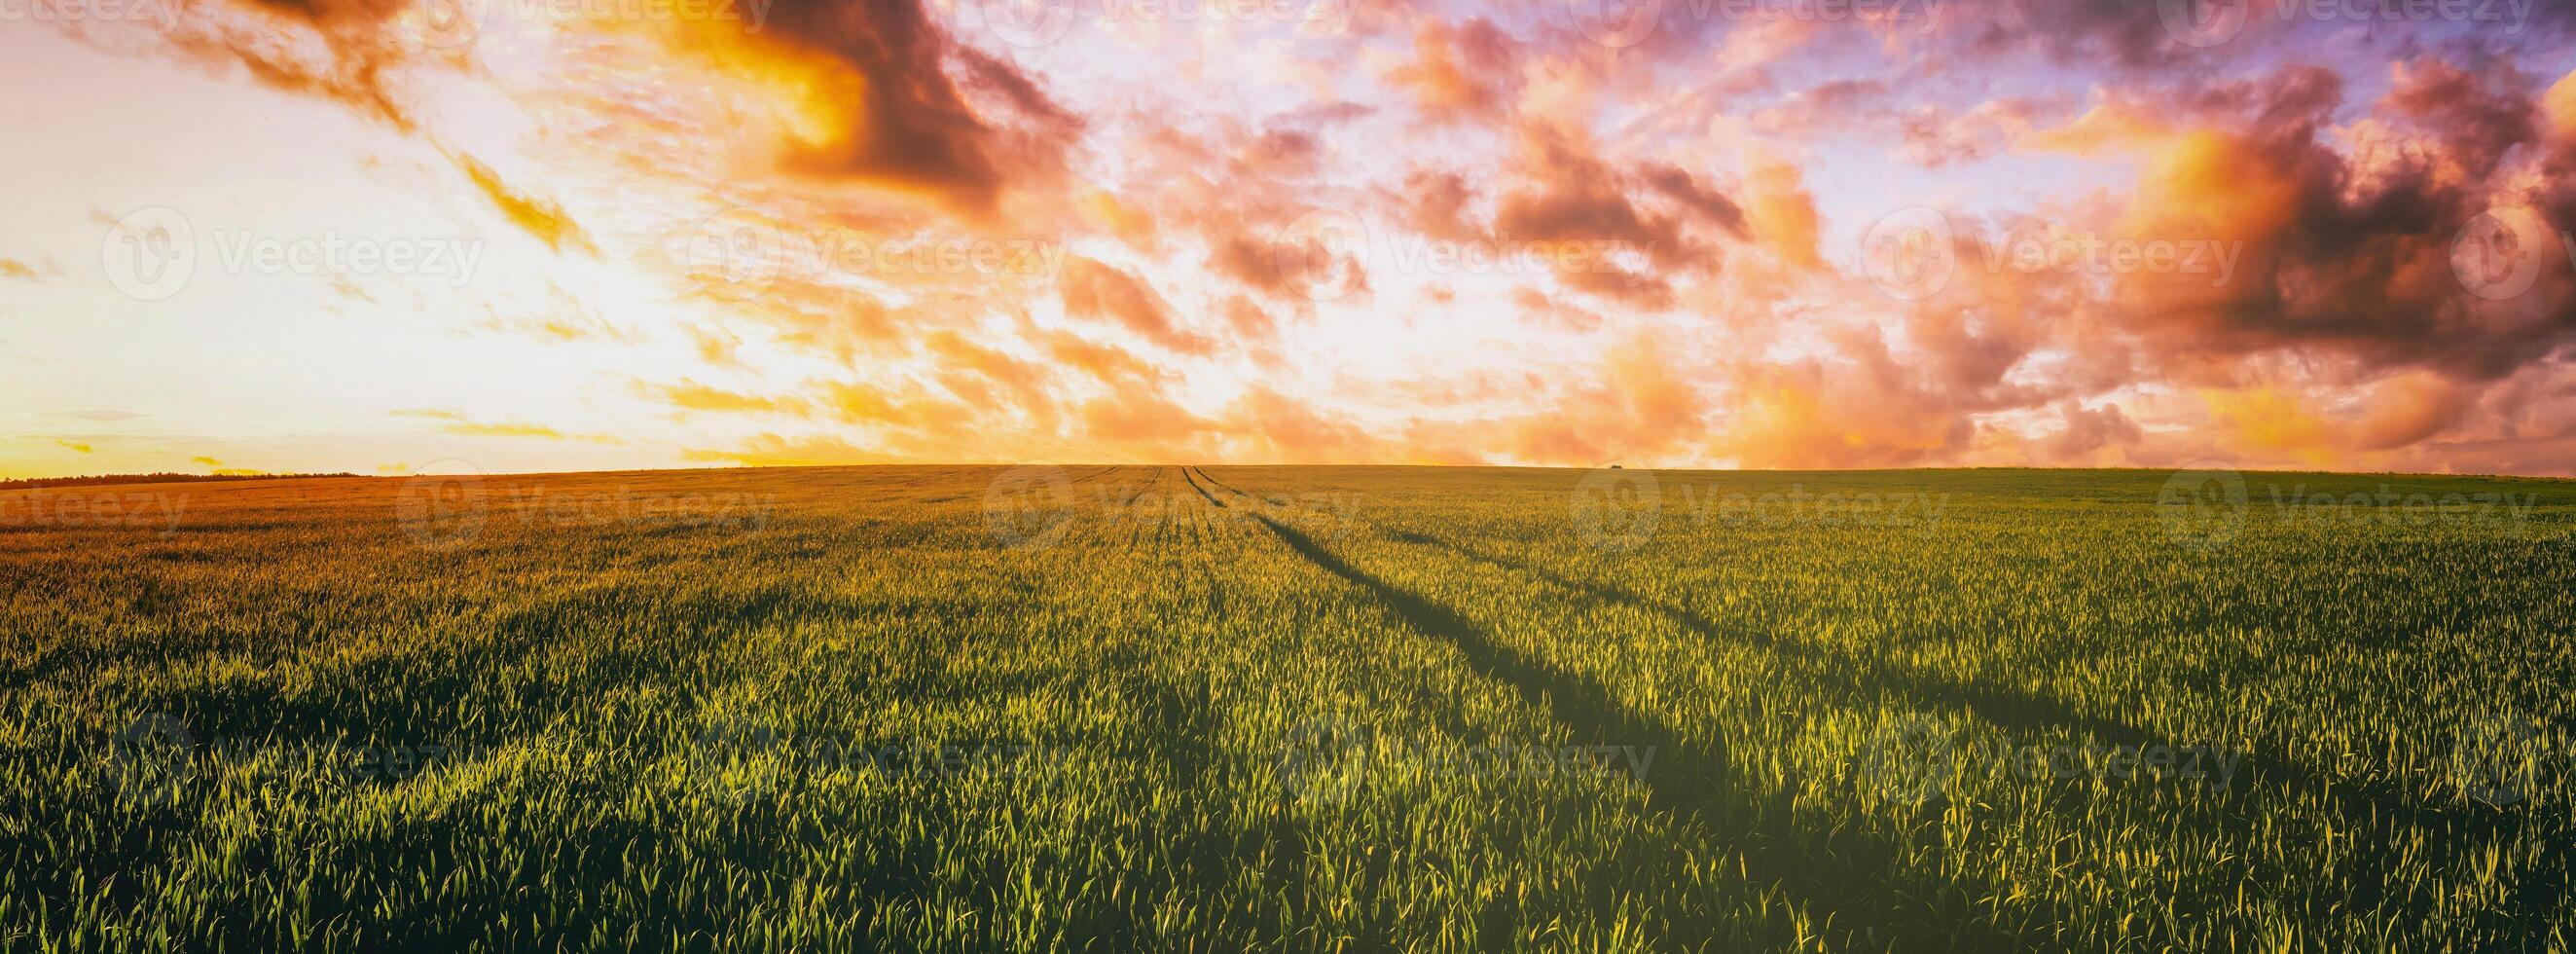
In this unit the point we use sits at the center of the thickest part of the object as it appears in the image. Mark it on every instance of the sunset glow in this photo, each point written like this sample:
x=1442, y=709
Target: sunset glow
x=549, y=235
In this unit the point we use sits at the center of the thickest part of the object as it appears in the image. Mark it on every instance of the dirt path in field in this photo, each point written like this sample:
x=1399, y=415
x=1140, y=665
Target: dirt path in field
x=1194, y=485
x=1281, y=848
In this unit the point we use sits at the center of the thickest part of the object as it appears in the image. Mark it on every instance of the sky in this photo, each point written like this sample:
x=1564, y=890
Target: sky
x=434, y=236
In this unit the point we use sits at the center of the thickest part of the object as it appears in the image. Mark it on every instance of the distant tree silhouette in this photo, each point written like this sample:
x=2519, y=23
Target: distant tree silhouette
x=152, y=478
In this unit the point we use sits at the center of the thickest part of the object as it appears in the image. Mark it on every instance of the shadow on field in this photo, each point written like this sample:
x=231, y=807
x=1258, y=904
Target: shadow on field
x=2025, y=713
x=2454, y=832
x=2453, y=835
x=1848, y=883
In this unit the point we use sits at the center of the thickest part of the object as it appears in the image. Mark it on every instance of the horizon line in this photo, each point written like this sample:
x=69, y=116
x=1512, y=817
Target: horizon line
x=22, y=484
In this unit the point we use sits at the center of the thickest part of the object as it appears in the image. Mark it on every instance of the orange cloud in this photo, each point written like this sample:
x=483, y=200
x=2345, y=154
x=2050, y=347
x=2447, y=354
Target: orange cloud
x=2112, y=126
x=1280, y=429
x=1782, y=214
x=2558, y=105
x=1131, y=416
x=2270, y=420
x=458, y=423
x=876, y=91
x=535, y=216
x=1092, y=289
x=1457, y=71
x=692, y=396
x=1107, y=364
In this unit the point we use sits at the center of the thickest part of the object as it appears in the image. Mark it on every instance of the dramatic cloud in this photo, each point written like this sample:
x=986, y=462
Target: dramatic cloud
x=882, y=94
x=1103, y=291
x=1768, y=235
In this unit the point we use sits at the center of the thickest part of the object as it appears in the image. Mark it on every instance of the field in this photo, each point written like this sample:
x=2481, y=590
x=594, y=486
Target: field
x=1247, y=708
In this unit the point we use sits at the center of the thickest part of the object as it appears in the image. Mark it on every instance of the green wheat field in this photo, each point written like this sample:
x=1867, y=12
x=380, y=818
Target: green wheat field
x=1256, y=708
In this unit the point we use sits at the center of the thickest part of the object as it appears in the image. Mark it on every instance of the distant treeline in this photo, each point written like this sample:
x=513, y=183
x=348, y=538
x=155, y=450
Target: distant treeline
x=158, y=478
